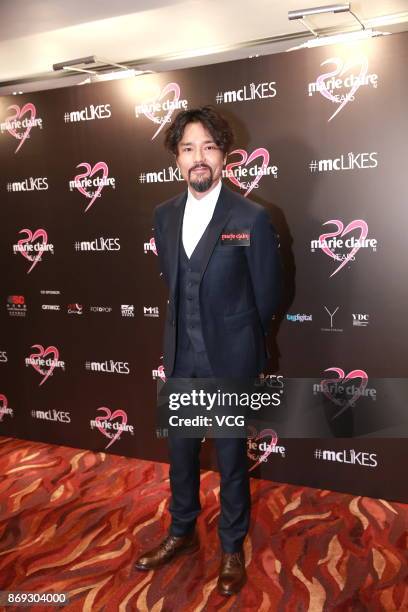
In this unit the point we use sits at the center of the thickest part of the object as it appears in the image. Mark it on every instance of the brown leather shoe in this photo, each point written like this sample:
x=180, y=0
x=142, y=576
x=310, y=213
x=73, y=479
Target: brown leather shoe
x=232, y=573
x=170, y=547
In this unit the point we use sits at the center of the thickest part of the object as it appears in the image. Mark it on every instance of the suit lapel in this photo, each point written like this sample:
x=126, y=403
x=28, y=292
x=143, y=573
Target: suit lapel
x=222, y=213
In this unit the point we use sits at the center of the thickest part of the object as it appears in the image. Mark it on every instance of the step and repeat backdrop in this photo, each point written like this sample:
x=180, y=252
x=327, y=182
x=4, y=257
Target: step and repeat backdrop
x=321, y=142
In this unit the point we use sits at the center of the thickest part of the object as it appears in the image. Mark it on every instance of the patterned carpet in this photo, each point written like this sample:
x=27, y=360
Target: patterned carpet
x=74, y=521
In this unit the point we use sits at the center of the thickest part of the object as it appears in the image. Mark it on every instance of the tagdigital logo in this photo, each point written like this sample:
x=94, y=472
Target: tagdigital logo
x=75, y=309
x=261, y=445
x=349, y=161
x=340, y=85
x=5, y=409
x=342, y=392
x=29, y=184
x=166, y=175
x=150, y=247
x=240, y=172
x=90, y=187
x=20, y=123
x=112, y=424
x=88, y=113
x=342, y=249
x=253, y=91
x=32, y=250
x=299, y=318
x=160, y=105
x=43, y=364
x=16, y=306
x=98, y=244
x=347, y=456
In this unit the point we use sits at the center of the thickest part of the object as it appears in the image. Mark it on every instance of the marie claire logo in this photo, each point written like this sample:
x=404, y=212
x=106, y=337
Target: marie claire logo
x=88, y=113
x=348, y=455
x=261, y=445
x=29, y=184
x=160, y=105
x=75, y=309
x=150, y=311
x=341, y=391
x=166, y=175
x=100, y=309
x=159, y=373
x=341, y=84
x=16, y=306
x=349, y=161
x=98, y=244
x=43, y=364
x=127, y=310
x=32, y=250
x=299, y=318
x=253, y=91
x=20, y=123
x=247, y=177
x=108, y=367
x=4, y=407
x=112, y=424
x=52, y=415
x=90, y=187
x=150, y=247
x=347, y=247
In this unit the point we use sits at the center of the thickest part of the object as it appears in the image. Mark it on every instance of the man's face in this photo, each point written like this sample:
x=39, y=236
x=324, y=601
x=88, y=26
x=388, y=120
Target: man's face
x=200, y=160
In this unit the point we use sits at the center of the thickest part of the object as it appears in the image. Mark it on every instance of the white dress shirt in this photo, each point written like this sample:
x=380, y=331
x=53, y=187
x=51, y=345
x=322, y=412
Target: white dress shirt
x=197, y=215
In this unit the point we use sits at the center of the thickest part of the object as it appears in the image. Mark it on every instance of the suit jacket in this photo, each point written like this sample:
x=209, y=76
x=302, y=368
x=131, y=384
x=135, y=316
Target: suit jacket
x=239, y=287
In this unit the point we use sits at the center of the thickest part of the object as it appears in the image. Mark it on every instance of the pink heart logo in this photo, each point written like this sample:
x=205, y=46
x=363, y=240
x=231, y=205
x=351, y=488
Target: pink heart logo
x=4, y=405
x=342, y=68
x=19, y=112
x=168, y=89
x=342, y=378
x=42, y=353
x=260, y=152
x=109, y=416
x=40, y=233
x=265, y=433
x=356, y=224
x=89, y=171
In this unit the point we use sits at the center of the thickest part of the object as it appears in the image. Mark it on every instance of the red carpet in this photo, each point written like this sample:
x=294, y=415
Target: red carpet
x=74, y=521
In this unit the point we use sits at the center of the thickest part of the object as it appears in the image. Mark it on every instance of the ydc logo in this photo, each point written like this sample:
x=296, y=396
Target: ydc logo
x=343, y=81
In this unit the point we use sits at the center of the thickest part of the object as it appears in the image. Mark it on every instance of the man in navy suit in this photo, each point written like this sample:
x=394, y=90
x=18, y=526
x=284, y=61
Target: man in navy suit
x=219, y=256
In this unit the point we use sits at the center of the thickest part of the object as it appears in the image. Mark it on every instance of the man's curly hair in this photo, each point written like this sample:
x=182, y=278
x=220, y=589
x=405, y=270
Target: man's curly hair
x=211, y=119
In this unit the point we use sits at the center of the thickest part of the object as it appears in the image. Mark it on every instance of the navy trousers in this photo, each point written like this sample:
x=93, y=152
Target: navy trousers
x=232, y=461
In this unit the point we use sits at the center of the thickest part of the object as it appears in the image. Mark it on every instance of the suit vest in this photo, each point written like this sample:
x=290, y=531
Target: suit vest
x=189, y=319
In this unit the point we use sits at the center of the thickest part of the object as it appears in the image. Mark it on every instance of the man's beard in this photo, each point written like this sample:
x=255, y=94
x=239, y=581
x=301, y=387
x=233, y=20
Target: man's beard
x=203, y=183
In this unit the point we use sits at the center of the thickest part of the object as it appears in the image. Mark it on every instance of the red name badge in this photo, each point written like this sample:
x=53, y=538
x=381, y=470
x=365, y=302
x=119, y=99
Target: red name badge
x=239, y=237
